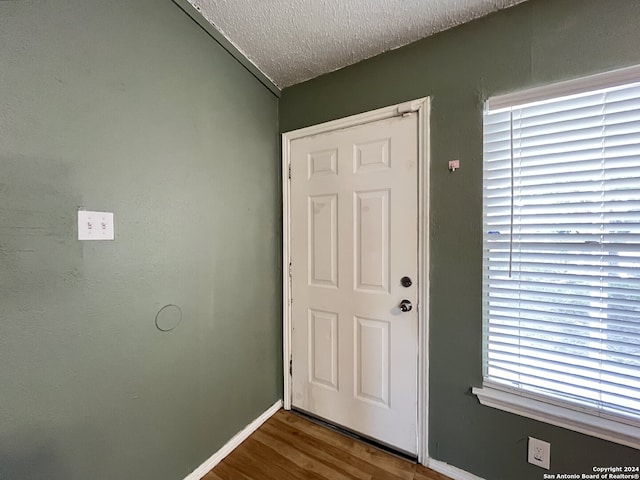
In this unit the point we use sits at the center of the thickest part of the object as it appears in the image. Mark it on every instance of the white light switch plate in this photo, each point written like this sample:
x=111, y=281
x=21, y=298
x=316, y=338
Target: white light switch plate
x=95, y=225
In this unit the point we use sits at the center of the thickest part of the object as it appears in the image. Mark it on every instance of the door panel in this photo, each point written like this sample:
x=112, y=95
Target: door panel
x=323, y=348
x=323, y=240
x=353, y=236
x=372, y=370
x=371, y=248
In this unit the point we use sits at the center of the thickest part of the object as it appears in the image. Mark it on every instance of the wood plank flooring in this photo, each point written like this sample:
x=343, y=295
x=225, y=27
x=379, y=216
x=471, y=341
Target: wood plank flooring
x=289, y=447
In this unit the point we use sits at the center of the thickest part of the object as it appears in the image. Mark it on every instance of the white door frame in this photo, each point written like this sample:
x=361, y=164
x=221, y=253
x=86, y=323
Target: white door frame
x=422, y=107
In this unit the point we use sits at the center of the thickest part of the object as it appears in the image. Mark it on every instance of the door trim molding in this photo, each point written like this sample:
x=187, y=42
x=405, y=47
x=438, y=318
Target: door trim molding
x=422, y=107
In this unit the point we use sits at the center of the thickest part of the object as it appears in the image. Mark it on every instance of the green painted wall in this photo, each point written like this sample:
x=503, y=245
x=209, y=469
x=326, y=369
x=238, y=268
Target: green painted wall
x=130, y=107
x=538, y=42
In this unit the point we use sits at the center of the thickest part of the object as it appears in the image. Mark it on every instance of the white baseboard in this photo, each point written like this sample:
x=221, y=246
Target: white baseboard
x=227, y=448
x=451, y=471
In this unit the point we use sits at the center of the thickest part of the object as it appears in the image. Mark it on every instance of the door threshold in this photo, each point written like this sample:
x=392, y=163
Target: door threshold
x=356, y=436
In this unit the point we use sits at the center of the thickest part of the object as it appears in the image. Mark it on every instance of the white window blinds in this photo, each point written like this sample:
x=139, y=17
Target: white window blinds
x=561, y=272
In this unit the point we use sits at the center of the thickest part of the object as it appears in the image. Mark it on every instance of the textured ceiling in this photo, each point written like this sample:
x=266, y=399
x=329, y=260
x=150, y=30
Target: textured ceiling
x=294, y=40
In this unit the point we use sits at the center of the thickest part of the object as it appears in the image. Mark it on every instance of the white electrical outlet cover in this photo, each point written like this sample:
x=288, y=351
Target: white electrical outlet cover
x=95, y=225
x=539, y=453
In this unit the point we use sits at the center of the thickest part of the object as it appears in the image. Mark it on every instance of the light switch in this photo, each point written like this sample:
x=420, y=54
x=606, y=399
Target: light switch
x=95, y=225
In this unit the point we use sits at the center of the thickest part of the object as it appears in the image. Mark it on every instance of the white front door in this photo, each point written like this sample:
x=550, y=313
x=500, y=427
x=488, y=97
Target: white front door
x=353, y=238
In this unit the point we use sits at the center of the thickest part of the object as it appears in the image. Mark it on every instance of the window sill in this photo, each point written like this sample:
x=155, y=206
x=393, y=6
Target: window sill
x=575, y=420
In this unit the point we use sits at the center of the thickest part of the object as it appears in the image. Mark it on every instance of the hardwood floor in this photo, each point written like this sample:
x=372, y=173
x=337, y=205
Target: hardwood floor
x=289, y=447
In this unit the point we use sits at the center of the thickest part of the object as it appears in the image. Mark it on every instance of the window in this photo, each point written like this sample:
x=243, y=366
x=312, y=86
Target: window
x=561, y=271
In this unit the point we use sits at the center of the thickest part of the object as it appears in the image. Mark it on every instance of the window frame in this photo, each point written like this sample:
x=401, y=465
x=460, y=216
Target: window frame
x=583, y=419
